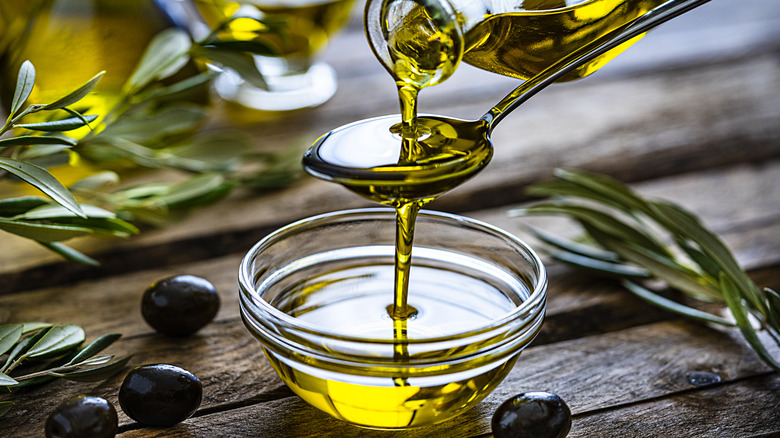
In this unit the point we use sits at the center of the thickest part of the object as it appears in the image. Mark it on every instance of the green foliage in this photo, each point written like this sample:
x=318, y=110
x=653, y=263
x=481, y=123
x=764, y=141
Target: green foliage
x=625, y=236
x=49, y=351
x=155, y=125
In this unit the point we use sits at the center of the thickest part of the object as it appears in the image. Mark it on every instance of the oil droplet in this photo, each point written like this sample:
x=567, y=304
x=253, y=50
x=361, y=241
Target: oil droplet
x=703, y=378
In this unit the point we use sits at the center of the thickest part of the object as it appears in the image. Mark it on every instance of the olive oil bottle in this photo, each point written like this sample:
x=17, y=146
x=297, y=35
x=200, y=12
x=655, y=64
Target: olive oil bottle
x=517, y=38
x=524, y=42
x=69, y=41
x=299, y=28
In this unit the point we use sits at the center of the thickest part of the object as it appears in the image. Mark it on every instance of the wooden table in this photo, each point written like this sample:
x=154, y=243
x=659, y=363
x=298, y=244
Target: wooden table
x=690, y=114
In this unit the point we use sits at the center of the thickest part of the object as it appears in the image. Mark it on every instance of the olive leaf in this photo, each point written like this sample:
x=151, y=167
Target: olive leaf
x=733, y=300
x=165, y=55
x=242, y=63
x=6, y=380
x=593, y=186
x=9, y=336
x=97, y=373
x=75, y=95
x=152, y=126
x=210, y=151
x=42, y=180
x=170, y=91
x=675, y=274
x=95, y=347
x=673, y=306
x=190, y=192
x=21, y=347
x=57, y=340
x=41, y=152
x=35, y=326
x=49, y=211
x=629, y=235
x=195, y=191
x=43, y=232
x=47, y=223
x=259, y=23
x=68, y=124
x=581, y=249
x=597, y=219
x=773, y=304
x=69, y=220
x=95, y=181
x=69, y=253
x=685, y=225
x=24, y=86
x=57, y=347
x=15, y=206
x=32, y=140
x=144, y=128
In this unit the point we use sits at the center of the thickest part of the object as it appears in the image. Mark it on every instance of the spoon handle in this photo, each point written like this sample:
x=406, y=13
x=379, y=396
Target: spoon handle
x=585, y=54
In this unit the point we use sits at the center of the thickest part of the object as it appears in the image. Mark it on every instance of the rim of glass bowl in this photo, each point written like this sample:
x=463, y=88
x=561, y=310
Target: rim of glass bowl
x=536, y=298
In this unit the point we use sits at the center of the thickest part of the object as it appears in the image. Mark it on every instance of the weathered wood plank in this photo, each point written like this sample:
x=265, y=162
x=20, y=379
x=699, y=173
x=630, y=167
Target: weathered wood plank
x=633, y=126
x=589, y=373
x=227, y=360
x=748, y=408
x=749, y=223
x=231, y=365
x=622, y=365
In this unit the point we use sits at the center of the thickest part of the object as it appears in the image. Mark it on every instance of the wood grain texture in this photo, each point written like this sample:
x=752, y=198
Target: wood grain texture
x=749, y=223
x=699, y=413
x=590, y=373
x=589, y=323
x=689, y=115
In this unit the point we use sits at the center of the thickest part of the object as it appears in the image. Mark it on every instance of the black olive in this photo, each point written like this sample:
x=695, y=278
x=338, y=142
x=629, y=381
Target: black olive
x=532, y=414
x=180, y=305
x=160, y=395
x=82, y=416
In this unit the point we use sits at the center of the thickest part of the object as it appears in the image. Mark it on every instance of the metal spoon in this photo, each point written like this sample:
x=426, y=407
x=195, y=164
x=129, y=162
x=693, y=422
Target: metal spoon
x=363, y=156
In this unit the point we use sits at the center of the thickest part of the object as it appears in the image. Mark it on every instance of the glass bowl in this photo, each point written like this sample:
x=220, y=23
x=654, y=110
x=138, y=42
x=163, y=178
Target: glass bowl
x=315, y=294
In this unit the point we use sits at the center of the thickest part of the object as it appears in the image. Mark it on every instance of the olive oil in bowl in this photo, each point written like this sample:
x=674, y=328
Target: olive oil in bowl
x=316, y=293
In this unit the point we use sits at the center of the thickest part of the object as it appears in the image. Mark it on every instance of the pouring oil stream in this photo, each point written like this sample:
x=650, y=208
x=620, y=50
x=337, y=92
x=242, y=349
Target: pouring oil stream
x=420, y=158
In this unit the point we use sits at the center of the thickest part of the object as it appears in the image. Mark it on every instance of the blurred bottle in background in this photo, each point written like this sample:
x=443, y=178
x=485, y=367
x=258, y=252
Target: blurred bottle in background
x=296, y=32
x=70, y=41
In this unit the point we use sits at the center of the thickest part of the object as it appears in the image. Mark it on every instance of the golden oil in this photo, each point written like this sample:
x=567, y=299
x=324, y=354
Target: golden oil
x=70, y=41
x=521, y=44
x=370, y=158
x=316, y=294
x=423, y=50
x=352, y=302
x=382, y=404
x=421, y=44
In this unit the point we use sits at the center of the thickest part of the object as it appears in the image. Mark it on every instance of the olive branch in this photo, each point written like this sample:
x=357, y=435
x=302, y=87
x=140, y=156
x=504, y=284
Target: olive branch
x=638, y=240
x=50, y=351
x=155, y=124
